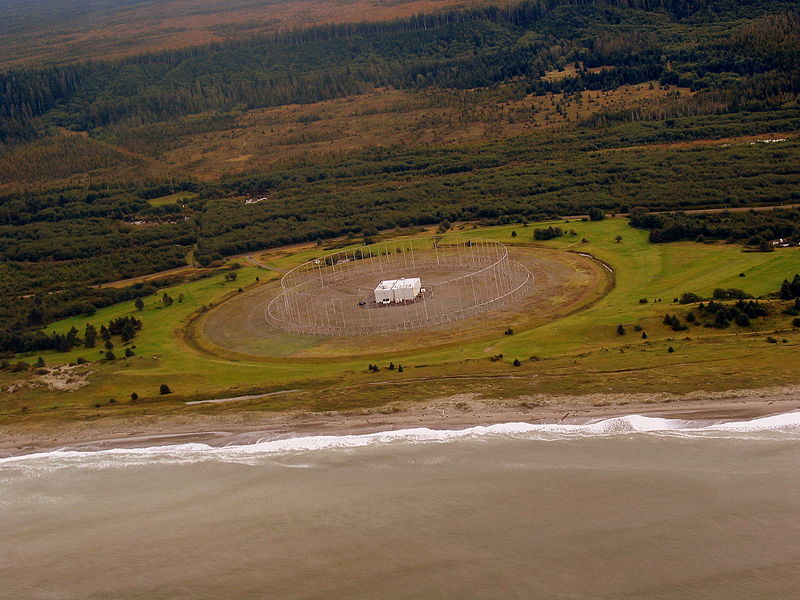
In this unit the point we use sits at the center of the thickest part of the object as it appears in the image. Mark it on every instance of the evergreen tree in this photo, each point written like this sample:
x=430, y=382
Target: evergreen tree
x=90, y=336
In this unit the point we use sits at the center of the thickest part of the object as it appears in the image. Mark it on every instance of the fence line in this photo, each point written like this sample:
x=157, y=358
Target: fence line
x=333, y=294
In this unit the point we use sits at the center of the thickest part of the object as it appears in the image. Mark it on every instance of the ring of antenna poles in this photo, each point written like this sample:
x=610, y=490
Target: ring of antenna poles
x=398, y=285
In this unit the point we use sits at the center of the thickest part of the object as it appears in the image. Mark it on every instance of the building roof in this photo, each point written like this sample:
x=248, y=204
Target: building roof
x=386, y=285
x=398, y=284
x=406, y=283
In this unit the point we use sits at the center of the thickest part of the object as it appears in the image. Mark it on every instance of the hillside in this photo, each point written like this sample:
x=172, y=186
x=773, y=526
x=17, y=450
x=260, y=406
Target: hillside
x=62, y=31
x=122, y=167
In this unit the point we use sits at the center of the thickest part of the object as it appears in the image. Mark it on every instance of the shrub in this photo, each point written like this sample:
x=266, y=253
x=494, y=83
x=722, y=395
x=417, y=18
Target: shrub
x=595, y=214
x=730, y=294
x=517, y=363
x=547, y=234
x=689, y=298
x=796, y=321
x=670, y=349
x=642, y=300
x=134, y=396
x=164, y=389
x=620, y=329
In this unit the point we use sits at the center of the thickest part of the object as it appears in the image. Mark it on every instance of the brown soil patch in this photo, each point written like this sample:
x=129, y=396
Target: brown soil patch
x=563, y=283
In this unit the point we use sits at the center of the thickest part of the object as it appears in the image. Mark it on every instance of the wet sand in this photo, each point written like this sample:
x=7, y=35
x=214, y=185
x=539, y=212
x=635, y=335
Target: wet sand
x=456, y=412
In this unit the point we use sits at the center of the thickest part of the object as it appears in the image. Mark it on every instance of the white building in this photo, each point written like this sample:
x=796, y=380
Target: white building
x=397, y=290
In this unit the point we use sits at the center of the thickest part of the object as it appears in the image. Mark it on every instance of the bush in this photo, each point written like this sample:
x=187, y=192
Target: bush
x=730, y=294
x=547, y=234
x=620, y=329
x=796, y=321
x=670, y=349
x=517, y=363
x=689, y=298
x=164, y=389
x=642, y=300
x=595, y=214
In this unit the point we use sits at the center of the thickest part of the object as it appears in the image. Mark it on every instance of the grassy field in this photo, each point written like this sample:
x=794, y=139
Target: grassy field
x=579, y=353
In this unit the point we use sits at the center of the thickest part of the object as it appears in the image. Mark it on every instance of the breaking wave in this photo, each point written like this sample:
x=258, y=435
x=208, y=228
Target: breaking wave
x=781, y=426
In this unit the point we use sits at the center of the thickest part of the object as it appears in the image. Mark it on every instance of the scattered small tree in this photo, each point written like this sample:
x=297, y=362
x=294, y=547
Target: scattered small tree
x=134, y=396
x=620, y=329
x=595, y=214
x=129, y=352
x=90, y=336
x=139, y=304
x=164, y=389
x=40, y=363
x=513, y=234
x=110, y=355
x=644, y=335
x=166, y=299
x=670, y=349
x=618, y=238
x=516, y=362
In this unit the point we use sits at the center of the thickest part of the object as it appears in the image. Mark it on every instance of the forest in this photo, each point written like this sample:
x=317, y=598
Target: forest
x=761, y=228
x=726, y=69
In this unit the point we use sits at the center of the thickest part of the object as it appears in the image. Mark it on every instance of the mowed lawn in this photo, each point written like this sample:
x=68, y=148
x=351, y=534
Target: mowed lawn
x=579, y=352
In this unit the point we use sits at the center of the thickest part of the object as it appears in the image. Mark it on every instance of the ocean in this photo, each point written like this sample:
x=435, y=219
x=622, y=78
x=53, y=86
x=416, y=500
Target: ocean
x=630, y=507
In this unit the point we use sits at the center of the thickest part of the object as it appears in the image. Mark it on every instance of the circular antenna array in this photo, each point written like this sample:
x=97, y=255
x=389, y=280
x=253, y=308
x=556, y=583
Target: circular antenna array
x=397, y=286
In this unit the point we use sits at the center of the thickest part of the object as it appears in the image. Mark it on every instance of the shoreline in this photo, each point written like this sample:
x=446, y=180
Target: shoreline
x=456, y=412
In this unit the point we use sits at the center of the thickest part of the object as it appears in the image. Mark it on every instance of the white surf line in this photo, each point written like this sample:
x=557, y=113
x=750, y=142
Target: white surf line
x=237, y=398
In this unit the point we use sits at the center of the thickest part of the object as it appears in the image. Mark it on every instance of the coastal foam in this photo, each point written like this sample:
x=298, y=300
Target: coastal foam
x=781, y=426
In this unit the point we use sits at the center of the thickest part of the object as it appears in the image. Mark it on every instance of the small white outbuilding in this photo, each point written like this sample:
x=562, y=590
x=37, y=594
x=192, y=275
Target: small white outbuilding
x=397, y=290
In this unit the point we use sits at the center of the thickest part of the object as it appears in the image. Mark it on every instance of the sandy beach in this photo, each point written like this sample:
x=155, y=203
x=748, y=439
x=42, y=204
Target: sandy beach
x=455, y=412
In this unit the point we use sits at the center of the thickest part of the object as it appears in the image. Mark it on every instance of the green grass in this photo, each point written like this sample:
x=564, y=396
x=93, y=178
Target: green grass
x=172, y=198
x=578, y=353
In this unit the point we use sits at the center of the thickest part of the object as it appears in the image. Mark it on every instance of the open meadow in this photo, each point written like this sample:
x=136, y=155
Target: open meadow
x=575, y=352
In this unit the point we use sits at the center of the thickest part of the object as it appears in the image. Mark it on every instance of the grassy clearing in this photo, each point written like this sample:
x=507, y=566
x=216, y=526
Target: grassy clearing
x=266, y=138
x=176, y=198
x=578, y=353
